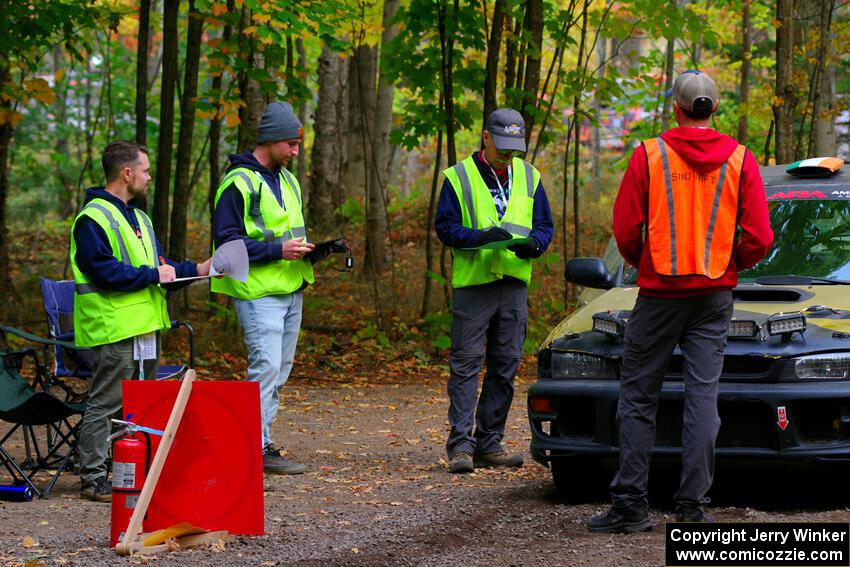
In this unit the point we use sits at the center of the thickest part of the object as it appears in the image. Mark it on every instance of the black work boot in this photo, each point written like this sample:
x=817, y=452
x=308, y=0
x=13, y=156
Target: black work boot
x=693, y=514
x=275, y=463
x=621, y=520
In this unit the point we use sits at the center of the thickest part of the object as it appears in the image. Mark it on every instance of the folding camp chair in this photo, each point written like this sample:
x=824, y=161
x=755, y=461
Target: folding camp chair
x=27, y=406
x=58, y=297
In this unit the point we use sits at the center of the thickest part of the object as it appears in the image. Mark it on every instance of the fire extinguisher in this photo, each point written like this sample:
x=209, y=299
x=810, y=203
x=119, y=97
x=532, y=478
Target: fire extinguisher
x=131, y=459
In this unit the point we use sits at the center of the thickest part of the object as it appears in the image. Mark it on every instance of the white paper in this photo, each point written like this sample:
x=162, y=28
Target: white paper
x=144, y=347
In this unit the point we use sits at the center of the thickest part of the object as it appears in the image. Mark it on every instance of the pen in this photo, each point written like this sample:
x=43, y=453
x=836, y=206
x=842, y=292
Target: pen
x=162, y=260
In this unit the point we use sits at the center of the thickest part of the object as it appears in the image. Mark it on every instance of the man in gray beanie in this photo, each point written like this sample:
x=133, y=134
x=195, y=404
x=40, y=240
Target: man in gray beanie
x=259, y=202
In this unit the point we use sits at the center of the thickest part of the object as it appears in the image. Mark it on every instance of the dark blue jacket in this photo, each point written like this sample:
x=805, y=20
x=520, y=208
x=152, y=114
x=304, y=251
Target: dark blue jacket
x=94, y=253
x=449, y=220
x=229, y=215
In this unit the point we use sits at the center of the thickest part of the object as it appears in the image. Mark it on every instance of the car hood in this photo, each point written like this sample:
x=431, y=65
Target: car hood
x=826, y=307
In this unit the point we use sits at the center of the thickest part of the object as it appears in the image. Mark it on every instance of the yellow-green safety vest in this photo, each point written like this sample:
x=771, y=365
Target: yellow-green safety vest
x=105, y=316
x=267, y=221
x=474, y=267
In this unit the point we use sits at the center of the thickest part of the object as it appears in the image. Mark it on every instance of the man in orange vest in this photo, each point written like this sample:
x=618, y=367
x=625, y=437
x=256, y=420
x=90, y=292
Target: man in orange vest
x=680, y=203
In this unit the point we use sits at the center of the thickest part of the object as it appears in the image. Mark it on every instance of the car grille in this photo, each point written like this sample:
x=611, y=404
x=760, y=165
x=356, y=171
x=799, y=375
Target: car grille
x=743, y=425
x=735, y=367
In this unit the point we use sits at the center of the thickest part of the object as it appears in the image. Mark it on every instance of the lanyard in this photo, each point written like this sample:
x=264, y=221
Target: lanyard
x=505, y=195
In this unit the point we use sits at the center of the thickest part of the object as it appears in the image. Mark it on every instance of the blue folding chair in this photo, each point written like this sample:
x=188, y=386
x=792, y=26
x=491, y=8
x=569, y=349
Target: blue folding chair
x=58, y=297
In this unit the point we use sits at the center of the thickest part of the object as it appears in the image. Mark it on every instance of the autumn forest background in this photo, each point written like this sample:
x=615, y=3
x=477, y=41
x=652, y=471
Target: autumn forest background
x=390, y=93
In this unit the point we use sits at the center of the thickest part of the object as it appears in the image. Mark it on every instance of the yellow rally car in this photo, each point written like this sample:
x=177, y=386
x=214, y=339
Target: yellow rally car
x=785, y=387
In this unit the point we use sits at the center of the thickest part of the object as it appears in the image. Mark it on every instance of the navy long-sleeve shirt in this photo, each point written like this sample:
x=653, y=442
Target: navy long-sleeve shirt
x=94, y=253
x=448, y=220
x=229, y=215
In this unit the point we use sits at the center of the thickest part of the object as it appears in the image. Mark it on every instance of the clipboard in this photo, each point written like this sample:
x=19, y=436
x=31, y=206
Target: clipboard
x=502, y=244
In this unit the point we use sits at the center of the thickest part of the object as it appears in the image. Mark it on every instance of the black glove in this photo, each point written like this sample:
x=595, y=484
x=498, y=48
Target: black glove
x=489, y=235
x=325, y=249
x=526, y=250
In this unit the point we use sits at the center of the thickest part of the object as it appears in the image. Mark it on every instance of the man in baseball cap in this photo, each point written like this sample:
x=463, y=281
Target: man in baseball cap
x=688, y=265
x=506, y=128
x=491, y=196
x=695, y=93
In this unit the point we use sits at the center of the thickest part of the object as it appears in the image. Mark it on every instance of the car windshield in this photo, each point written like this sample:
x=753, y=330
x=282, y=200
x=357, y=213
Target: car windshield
x=811, y=238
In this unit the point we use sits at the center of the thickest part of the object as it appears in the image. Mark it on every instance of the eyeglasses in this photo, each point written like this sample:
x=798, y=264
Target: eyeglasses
x=509, y=154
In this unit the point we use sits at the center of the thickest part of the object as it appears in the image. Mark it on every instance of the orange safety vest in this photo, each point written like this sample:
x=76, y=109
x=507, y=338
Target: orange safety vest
x=692, y=216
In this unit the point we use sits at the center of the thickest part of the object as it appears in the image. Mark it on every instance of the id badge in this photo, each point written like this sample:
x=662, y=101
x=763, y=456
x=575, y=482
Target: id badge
x=144, y=347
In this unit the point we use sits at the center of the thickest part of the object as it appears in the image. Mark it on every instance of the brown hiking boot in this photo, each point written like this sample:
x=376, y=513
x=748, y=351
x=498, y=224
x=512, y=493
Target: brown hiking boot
x=99, y=490
x=461, y=463
x=498, y=459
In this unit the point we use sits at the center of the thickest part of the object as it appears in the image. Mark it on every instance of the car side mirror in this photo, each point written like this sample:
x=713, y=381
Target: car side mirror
x=588, y=272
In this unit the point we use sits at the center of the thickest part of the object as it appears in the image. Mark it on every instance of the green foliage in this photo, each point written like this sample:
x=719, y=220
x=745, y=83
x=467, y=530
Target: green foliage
x=29, y=29
x=416, y=62
x=352, y=210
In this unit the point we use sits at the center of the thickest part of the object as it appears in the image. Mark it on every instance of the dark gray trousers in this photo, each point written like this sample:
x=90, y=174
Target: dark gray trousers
x=112, y=364
x=699, y=325
x=499, y=312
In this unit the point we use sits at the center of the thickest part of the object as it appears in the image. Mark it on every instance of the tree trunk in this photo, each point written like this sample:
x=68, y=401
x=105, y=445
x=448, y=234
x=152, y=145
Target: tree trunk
x=182, y=188
x=325, y=175
x=65, y=196
x=494, y=47
x=429, y=227
x=215, y=135
x=667, y=109
x=255, y=103
x=7, y=306
x=142, y=72
x=380, y=146
x=171, y=9
x=531, y=81
x=577, y=139
x=510, y=59
x=446, y=29
x=746, y=66
x=301, y=168
x=361, y=104
x=822, y=141
x=785, y=100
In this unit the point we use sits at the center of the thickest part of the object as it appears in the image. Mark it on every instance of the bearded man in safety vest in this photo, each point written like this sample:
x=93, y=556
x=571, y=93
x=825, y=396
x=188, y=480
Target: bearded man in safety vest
x=259, y=202
x=119, y=307
x=490, y=197
x=681, y=201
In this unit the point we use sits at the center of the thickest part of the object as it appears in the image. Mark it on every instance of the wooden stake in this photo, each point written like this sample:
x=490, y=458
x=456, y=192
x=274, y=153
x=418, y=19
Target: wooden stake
x=131, y=533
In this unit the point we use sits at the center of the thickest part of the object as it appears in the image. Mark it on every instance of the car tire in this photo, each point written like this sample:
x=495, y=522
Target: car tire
x=579, y=480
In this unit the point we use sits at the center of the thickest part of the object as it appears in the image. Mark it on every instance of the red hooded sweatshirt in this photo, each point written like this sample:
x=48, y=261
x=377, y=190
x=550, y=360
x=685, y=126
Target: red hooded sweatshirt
x=704, y=150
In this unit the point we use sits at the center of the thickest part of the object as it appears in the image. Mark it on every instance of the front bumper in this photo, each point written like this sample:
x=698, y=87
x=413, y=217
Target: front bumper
x=583, y=421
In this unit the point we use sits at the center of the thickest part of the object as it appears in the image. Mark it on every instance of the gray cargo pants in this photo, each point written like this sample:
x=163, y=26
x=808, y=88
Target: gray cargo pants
x=499, y=311
x=699, y=325
x=112, y=364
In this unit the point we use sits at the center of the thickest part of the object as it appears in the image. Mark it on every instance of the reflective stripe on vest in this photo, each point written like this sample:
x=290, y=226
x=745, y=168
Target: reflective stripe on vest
x=692, y=215
x=478, y=211
x=113, y=224
x=103, y=316
x=466, y=189
x=273, y=222
x=268, y=235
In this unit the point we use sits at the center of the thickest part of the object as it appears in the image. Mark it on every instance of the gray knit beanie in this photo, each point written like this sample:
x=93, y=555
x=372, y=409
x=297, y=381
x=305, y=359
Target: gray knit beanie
x=279, y=123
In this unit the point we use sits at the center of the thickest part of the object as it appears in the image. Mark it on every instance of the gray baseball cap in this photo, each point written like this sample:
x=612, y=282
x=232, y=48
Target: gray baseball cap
x=279, y=123
x=507, y=128
x=691, y=86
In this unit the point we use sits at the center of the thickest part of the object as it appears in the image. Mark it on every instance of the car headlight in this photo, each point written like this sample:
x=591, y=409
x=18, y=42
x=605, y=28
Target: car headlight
x=577, y=365
x=823, y=367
